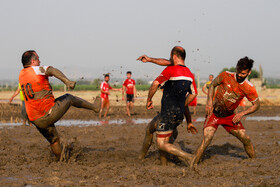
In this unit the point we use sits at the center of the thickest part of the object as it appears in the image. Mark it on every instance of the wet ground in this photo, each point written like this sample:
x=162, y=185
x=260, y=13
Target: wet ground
x=106, y=154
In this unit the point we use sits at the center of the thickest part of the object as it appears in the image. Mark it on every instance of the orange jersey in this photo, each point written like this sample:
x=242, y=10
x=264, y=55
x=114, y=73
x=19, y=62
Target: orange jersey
x=230, y=93
x=37, y=91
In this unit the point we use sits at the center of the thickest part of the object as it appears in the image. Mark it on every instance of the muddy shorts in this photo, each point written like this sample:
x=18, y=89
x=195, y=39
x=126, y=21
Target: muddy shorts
x=165, y=129
x=45, y=124
x=129, y=97
x=226, y=122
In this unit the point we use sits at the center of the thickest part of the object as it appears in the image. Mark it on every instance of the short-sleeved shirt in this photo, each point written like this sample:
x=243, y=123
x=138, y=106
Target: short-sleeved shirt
x=230, y=93
x=129, y=84
x=104, y=86
x=37, y=91
x=176, y=82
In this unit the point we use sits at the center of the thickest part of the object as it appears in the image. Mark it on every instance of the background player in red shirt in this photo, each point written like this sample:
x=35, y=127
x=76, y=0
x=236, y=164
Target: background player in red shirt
x=42, y=108
x=130, y=89
x=104, y=88
x=173, y=105
x=231, y=89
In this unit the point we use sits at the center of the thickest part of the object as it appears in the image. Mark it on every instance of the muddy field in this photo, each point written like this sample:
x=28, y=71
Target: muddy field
x=106, y=155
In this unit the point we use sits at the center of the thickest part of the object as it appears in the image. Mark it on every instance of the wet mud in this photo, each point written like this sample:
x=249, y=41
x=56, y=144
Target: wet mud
x=106, y=155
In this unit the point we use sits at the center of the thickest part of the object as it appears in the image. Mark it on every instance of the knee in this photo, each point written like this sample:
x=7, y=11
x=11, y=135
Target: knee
x=246, y=140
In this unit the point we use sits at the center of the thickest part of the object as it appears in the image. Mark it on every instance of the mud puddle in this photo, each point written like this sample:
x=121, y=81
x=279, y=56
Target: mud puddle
x=86, y=123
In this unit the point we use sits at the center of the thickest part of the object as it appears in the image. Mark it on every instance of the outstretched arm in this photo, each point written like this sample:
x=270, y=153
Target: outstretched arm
x=51, y=71
x=152, y=92
x=158, y=61
x=253, y=108
x=15, y=94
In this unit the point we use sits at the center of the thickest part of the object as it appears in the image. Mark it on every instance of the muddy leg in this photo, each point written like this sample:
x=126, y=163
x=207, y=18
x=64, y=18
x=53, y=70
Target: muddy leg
x=128, y=108
x=164, y=145
x=174, y=136
x=245, y=139
x=81, y=103
x=102, y=107
x=107, y=109
x=208, y=135
x=163, y=157
x=150, y=129
x=56, y=149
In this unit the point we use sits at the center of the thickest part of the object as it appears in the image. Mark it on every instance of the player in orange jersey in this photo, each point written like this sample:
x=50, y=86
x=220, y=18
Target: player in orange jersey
x=231, y=89
x=42, y=108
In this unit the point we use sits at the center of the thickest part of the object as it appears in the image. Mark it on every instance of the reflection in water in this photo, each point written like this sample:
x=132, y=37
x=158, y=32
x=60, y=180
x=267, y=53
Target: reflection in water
x=83, y=123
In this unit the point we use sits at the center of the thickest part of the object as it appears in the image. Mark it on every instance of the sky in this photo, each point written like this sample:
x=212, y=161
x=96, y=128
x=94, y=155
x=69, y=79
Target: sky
x=88, y=38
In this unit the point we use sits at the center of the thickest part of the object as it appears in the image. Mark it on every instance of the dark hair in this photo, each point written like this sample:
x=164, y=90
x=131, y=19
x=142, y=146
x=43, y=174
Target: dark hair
x=179, y=52
x=27, y=56
x=129, y=72
x=106, y=75
x=245, y=63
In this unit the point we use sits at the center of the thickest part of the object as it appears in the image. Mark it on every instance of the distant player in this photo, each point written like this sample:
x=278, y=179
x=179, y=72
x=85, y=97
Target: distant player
x=175, y=81
x=23, y=110
x=42, y=108
x=130, y=89
x=104, y=88
x=231, y=89
x=207, y=84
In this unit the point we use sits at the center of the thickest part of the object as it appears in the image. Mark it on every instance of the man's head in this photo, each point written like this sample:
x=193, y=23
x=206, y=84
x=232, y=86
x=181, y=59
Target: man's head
x=211, y=77
x=178, y=55
x=128, y=74
x=107, y=77
x=30, y=58
x=243, y=68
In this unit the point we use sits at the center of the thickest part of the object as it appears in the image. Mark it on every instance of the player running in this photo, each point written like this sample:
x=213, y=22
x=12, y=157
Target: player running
x=104, y=88
x=42, y=108
x=130, y=89
x=175, y=81
x=231, y=89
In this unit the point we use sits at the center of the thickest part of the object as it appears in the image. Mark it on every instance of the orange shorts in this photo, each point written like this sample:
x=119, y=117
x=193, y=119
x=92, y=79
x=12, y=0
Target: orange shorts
x=226, y=122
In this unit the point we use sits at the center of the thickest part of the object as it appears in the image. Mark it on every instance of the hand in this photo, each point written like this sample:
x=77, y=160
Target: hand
x=209, y=109
x=149, y=105
x=144, y=58
x=71, y=84
x=237, y=117
x=191, y=128
x=10, y=100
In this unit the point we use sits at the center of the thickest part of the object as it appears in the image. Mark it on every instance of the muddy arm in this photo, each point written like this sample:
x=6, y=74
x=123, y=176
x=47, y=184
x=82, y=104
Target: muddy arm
x=51, y=71
x=158, y=61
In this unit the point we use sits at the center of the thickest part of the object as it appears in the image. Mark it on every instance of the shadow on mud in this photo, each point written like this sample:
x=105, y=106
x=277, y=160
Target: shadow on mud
x=226, y=149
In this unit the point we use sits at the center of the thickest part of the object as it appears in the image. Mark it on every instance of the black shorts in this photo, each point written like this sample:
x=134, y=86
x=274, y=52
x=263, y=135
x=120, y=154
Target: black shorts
x=129, y=97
